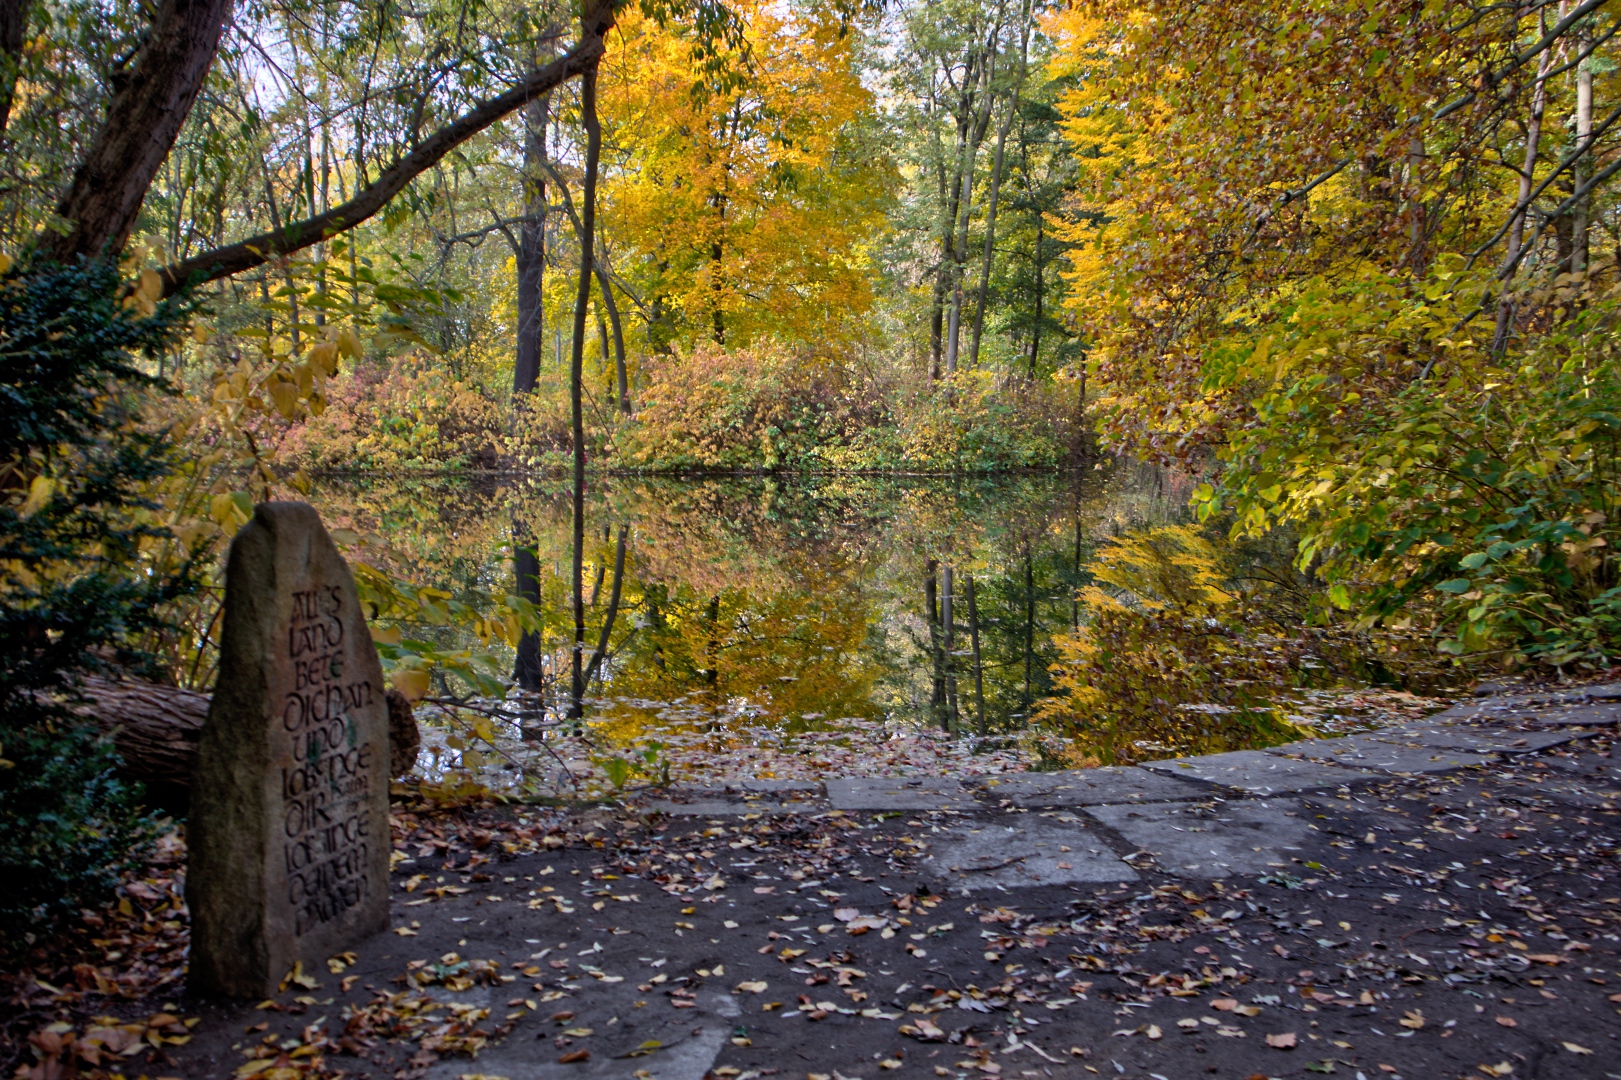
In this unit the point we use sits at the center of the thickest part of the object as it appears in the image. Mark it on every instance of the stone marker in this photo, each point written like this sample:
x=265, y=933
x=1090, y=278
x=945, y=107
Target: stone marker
x=288, y=830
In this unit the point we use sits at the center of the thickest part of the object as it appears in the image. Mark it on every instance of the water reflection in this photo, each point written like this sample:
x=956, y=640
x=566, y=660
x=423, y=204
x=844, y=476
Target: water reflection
x=747, y=612
x=921, y=601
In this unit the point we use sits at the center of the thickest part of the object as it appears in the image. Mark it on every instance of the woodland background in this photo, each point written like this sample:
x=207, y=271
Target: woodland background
x=1351, y=266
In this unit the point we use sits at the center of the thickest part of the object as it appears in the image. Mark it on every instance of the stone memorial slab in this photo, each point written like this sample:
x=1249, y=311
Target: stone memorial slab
x=898, y=793
x=1370, y=752
x=1259, y=773
x=1192, y=841
x=288, y=830
x=1031, y=853
x=1091, y=787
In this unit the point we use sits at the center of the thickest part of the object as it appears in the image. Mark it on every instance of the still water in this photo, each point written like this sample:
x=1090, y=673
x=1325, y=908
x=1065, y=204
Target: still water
x=764, y=606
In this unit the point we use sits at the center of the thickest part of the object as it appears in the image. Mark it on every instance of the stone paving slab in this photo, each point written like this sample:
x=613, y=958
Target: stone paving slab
x=1256, y=772
x=1030, y=853
x=898, y=793
x=1091, y=787
x=1195, y=841
x=1474, y=740
x=1605, y=714
x=722, y=808
x=691, y=1046
x=1371, y=752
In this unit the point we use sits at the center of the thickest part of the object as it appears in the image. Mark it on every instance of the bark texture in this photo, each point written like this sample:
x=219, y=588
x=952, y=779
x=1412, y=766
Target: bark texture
x=143, y=120
x=156, y=728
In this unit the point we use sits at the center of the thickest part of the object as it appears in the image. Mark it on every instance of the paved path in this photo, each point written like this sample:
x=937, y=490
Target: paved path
x=1419, y=902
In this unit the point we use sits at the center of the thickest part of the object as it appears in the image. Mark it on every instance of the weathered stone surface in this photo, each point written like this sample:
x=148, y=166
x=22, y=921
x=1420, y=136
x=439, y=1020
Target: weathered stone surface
x=288, y=831
x=1091, y=787
x=717, y=807
x=1602, y=714
x=898, y=793
x=1259, y=773
x=1475, y=740
x=1033, y=852
x=1371, y=752
x=1198, y=841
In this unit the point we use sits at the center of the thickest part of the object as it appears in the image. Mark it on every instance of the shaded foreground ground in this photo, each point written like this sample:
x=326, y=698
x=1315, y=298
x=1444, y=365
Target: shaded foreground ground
x=1460, y=923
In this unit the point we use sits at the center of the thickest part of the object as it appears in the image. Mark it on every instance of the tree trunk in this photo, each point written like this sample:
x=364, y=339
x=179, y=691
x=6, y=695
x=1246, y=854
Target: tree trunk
x=1583, y=167
x=143, y=120
x=979, y=667
x=1029, y=631
x=948, y=623
x=621, y=376
x=527, y=670
x=996, y=188
x=614, y=589
x=1516, y=233
x=582, y=299
x=13, y=31
x=532, y=249
x=156, y=728
x=931, y=608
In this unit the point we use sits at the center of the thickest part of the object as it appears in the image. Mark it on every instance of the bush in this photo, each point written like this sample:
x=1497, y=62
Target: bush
x=73, y=463
x=1475, y=498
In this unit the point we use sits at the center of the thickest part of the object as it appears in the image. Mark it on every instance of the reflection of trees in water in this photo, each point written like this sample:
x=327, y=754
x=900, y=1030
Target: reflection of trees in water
x=922, y=600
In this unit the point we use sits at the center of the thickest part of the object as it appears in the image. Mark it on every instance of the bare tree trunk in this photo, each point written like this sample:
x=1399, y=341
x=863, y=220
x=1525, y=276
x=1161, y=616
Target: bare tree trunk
x=621, y=376
x=527, y=670
x=931, y=607
x=1029, y=631
x=1583, y=167
x=1516, y=233
x=531, y=256
x=948, y=622
x=614, y=589
x=996, y=188
x=979, y=666
x=582, y=300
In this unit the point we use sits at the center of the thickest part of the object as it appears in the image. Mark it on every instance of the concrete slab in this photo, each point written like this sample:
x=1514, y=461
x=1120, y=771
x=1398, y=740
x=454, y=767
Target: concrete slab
x=1195, y=841
x=1371, y=752
x=898, y=793
x=1258, y=773
x=1035, y=852
x=1091, y=787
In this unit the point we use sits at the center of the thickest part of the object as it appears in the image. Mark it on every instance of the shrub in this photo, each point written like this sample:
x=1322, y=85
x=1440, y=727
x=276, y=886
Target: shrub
x=73, y=463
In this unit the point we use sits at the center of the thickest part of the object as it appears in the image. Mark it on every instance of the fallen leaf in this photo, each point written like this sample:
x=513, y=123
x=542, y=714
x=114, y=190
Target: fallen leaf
x=1224, y=1004
x=573, y=1056
x=1413, y=1020
x=1575, y=1049
x=1508, y=1021
x=1285, y=1041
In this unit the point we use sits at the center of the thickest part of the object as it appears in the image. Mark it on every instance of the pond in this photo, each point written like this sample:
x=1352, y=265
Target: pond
x=831, y=616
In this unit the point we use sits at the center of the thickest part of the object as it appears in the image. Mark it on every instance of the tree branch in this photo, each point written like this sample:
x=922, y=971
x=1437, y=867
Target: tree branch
x=257, y=250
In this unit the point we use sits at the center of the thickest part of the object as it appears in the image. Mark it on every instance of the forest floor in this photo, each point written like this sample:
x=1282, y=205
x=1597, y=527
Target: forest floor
x=1258, y=920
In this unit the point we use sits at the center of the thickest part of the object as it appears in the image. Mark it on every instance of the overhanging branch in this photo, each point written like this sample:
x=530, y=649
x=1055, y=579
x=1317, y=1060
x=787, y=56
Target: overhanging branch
x=257, y=250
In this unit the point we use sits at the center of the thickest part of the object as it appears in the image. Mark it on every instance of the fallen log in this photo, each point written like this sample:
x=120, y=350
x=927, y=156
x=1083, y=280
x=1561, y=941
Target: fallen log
x=156, y=728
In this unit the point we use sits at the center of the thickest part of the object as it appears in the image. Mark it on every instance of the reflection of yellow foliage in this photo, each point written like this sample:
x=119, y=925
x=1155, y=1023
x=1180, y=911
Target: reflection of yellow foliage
x=1171, y=568
x=1154, y=671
